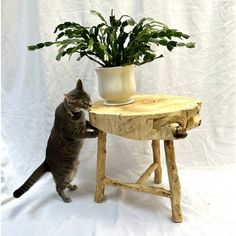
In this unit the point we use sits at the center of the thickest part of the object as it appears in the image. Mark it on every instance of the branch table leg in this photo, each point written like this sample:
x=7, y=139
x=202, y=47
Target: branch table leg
x=173, y=181
x=101, y=162
x=157, y=159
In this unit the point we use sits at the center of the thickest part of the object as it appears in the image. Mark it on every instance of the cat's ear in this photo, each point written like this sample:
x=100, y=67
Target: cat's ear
x=79, y=85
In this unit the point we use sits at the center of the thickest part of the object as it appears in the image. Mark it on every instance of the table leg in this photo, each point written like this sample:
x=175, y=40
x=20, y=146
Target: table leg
x=157, y=159
x=101, y=162
x=173, y=181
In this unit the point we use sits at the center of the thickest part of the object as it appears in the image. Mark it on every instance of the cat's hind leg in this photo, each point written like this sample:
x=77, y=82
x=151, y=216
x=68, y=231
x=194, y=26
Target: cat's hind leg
x=61, y=191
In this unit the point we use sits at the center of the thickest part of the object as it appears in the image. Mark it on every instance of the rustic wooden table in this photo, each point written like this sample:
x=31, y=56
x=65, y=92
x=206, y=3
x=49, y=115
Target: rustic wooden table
x=149, y=117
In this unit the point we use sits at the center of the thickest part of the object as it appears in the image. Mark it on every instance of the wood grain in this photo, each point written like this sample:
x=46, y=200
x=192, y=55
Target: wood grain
x=101, y=162
x=157, y=159
x=154, y=118
x=147, y=173
x=173, y=181
x=149, y=117
x=138, y=187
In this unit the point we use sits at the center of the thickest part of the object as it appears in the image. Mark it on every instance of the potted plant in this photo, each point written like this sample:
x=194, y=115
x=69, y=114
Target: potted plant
x=117, y=46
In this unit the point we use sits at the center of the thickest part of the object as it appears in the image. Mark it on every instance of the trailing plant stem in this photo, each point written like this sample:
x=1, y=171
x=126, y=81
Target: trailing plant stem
x=91, y=58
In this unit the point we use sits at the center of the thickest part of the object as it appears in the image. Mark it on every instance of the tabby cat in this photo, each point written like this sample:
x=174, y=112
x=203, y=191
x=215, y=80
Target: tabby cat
x=65, y=142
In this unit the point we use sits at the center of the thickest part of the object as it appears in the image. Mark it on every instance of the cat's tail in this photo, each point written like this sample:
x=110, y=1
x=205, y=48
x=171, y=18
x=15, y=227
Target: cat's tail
x=40, y=171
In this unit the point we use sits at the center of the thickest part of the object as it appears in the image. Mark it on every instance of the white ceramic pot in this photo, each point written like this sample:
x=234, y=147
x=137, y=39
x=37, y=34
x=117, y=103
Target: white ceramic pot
x=116, y=84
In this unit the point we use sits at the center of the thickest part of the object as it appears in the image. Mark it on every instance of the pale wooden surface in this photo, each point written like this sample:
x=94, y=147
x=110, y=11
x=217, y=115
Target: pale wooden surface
x=157, y=159
x=101, y=163
x=147, y=173
x=173, y=181
x=149, y=117
x=138, y=187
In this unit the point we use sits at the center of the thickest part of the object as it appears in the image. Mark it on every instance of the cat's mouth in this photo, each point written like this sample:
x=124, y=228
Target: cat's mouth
x=87, y=108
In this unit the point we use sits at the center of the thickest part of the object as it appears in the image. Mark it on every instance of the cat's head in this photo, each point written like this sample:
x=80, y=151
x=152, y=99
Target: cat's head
x=78, y=99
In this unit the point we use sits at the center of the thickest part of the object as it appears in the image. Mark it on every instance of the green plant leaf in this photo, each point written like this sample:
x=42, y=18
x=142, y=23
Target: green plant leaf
x=172, y=43
x=64, y=25
x=99, y=15
x=160, y=56
x=162, y=33
x=149, y=57
x=82, y=54
x=145, y=19
x=180, y=44
x=190, y=45
x=122, y=42
x=130, y=21
x=60, y=35
x=68, y=24
x=90, y=44
x=112, y=20
x=32, y=47
x=40, y=45
x=47, y=44
x=177, y=34
x=58, y=57
x=185, y=36
x=163, y=42
x=170, y=47
x=104, y=49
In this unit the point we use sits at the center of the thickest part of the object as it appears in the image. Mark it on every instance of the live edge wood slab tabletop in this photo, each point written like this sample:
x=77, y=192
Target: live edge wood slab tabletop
x=149, y=117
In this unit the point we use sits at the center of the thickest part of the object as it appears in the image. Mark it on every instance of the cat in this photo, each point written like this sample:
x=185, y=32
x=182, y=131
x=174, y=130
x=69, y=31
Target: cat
x=65, y=142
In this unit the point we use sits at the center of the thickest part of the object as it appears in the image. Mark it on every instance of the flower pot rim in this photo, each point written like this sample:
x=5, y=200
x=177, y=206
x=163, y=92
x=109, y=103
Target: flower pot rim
x=113, y=67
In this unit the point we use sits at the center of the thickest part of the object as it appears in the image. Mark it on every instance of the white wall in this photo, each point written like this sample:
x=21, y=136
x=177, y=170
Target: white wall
x=33, y=83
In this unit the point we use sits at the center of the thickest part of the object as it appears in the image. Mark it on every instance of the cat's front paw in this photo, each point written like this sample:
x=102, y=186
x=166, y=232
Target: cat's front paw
x=92, y=133
x=72, y=187
x=67, y=200
x=95, y=132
